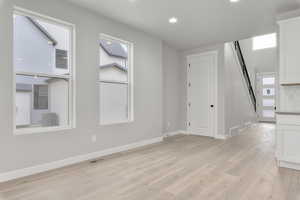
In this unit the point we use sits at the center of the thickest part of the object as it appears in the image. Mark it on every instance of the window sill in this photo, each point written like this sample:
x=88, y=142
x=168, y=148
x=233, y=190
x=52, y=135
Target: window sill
x=29, y=131
x=116, y=123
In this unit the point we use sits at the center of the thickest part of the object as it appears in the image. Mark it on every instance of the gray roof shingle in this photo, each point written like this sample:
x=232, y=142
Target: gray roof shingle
x=114, y=49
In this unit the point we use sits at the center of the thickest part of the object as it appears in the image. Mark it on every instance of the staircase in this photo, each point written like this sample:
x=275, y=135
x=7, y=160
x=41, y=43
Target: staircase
x=245, y=73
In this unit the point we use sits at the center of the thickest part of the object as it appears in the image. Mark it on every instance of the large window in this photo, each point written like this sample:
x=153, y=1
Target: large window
x=115, y=80
x=43, y=52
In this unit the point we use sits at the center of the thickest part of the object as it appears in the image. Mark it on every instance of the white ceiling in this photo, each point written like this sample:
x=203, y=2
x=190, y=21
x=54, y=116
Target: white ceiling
x=201, y=22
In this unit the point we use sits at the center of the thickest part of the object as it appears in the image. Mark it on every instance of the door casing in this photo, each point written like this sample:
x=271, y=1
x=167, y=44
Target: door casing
x=260, y=97
x=214, y=116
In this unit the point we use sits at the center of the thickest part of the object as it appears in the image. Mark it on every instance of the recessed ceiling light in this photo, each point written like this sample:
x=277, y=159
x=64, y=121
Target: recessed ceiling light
x=234, y=1
x=173, y=20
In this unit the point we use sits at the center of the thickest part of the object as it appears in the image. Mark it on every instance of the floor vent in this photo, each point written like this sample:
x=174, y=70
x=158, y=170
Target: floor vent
x=96, y=161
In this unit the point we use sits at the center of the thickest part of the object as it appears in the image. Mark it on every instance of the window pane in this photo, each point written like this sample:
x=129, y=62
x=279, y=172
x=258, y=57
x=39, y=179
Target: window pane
x=113, y=102
x=36, y=45
x=113, y=61
x=50, y=93
x=268, y=102
x=268, y=113
x=268, y=91
x=269, y=81
x=265, y=41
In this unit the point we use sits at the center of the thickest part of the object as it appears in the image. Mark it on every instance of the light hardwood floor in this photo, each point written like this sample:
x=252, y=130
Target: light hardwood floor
x=180, y=168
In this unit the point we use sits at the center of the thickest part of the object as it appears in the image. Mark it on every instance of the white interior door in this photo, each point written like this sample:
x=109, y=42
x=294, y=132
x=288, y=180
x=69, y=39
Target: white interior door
x=23, y=108
x=266, y=93
x=201, y=108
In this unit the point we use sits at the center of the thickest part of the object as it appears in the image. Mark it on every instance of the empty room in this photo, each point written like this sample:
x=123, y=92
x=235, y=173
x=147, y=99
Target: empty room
x=149, y=100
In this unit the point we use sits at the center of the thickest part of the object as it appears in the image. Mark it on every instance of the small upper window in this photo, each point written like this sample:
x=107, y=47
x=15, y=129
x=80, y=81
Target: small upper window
x=269, y=81
x=61, y=58
x=265, y=41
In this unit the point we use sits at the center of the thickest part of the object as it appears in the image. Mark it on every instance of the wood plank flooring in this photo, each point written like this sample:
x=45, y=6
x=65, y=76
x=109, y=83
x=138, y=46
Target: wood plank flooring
x=180, y=168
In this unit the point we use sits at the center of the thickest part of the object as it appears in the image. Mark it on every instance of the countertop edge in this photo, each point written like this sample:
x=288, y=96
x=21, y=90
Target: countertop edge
x=287, y=113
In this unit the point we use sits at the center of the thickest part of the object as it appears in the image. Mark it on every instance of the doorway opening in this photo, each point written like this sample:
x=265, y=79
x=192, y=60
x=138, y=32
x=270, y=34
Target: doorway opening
x=266, y=96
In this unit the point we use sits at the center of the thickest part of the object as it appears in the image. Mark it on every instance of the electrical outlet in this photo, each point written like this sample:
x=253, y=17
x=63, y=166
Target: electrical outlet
x=94, y=138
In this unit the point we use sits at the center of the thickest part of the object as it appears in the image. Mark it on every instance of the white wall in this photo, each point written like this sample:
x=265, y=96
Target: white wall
x=29, y=150
x=259, y=61
x=264, y=60
x=172, y=90
x=238, y=107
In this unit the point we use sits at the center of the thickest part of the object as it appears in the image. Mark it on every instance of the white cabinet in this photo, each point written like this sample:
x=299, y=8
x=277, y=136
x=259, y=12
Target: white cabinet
x=289, y=39
x=288, y=140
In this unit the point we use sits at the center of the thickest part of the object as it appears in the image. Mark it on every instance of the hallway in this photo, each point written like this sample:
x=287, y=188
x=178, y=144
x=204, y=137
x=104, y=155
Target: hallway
x=180, y=168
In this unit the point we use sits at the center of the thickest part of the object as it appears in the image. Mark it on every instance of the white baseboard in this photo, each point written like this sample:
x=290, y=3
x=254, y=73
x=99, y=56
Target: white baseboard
x=221, y=137
x=234, y=130
x=183, y=132
x=169, y=134
x=7, y=176
x=289, y=165
x=237, y=130
x=245, y=126
x=178, y=132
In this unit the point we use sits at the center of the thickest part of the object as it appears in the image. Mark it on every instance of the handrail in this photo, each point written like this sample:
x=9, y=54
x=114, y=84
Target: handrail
x=245, y=73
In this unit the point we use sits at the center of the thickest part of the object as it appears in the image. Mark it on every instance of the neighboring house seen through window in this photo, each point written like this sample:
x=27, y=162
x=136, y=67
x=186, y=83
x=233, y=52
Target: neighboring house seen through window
x=43, y=75
x=40, y=100
x=115, y=86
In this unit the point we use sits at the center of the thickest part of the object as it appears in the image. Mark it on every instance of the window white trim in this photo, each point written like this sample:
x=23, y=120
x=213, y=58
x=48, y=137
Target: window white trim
x=42, y=75
x=116, y=82
x=130, y=81
x=26, y=12
x=70, y=77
